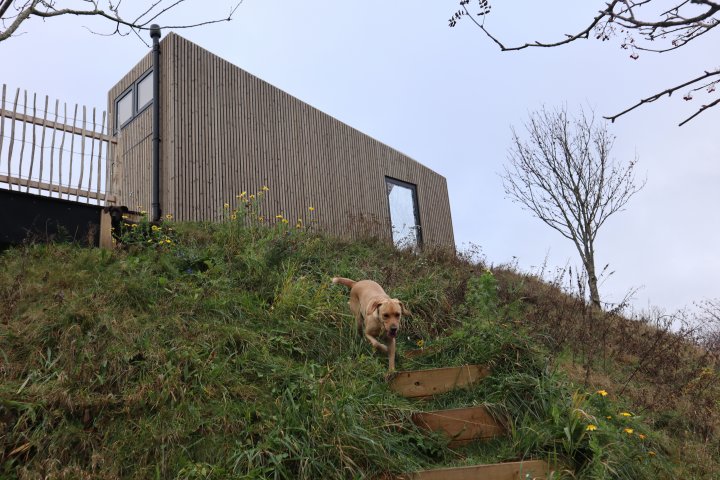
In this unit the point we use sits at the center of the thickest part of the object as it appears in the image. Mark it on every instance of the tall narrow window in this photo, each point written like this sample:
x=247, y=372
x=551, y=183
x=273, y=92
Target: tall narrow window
x=124, y=108
x=404, y=214
x=144, y=91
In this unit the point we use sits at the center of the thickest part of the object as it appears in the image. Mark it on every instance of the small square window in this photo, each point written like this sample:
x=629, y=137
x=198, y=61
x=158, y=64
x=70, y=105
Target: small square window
x=144, y=91
x=124, y=109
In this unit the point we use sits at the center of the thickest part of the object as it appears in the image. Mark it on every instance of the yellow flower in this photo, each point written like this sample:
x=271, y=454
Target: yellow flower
x=279, y=217
x=260, y=219
x=233, y=217
x=609, y=417
x=155, y=228
x=134, y=225
x=626, y=414
x=125, y=217
x=420, y=343
x=265, y=188
x=242, y=194
x=629, y=431
x=284, y=220
x=227, y=205
x=591, y=428
x=641, y=436
x=168, y=241
x=252, y=197
x=651, y=453
x=143, y=212
x=312, y=209
x=169, y=216
x=602, y=393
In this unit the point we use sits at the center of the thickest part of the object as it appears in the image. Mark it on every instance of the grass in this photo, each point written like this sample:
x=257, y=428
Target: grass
x=226, y=353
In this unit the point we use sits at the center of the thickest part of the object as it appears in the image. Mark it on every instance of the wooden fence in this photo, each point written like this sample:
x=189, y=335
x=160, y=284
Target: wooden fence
x=45, y=152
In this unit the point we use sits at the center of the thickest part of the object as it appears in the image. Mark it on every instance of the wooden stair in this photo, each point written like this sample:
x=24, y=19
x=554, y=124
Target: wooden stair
x=528, y=470
x=426, y=383
x=461, y=425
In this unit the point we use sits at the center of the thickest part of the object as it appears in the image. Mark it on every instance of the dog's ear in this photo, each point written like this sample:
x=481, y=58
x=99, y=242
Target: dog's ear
x=373, y=305
x=124, y=209
x=405, y=311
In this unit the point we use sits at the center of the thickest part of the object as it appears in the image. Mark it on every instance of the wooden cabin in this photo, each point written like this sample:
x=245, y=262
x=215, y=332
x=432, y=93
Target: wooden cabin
x=224, y=131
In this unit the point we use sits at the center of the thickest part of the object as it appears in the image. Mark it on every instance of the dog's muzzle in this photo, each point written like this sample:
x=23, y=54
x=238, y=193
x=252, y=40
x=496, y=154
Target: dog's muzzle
x=393, y=332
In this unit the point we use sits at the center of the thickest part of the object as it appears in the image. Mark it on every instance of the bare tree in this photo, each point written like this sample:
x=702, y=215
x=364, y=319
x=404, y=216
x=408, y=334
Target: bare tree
x=563, y=173
x=13, y=13
x=644, y=26
x=709, y=316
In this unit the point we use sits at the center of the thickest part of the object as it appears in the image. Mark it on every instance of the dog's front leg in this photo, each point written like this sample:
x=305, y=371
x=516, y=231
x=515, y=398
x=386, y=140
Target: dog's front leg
x=391, y=355
x=373, y=341
x=359, y=322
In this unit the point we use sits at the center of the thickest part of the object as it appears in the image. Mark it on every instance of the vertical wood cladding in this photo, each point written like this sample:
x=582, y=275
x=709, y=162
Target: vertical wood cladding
x=225, y=131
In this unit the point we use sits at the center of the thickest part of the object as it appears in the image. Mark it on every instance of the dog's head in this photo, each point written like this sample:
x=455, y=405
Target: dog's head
x=389, y=311
x=116, y=213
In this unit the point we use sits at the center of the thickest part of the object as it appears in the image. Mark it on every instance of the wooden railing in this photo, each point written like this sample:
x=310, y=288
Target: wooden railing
x=45, y=153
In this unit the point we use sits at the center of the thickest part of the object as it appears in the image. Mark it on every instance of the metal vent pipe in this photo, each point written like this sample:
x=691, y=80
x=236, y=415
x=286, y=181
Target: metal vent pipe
x=155, y=35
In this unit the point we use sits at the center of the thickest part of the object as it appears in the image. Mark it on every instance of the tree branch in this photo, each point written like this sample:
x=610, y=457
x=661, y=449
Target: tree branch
x=668, y=92
x=46, y=9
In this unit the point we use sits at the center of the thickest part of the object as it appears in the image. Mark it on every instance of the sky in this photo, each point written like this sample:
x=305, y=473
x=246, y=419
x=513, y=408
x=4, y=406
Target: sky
x=447, y=97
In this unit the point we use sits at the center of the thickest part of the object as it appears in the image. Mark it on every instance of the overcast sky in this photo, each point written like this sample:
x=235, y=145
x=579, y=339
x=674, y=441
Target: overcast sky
x=447, y=98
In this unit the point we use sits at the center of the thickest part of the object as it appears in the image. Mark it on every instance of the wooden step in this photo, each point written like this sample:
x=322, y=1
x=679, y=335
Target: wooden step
x=461, y=425
x=528, y=470
x=425, y=383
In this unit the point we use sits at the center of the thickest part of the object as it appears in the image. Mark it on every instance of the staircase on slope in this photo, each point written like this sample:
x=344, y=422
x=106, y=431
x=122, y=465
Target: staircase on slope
x=461, y=425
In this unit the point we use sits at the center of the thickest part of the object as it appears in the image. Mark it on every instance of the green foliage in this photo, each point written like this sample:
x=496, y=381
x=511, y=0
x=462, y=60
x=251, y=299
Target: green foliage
x=227, y=353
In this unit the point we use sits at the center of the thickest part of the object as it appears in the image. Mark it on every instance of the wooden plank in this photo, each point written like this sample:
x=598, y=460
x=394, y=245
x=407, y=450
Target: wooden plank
x=424, y=383
x=22, y=143
x=527, y=470
x=12, y=135
x=462, y=425
x=72, y=147
x=32, y=119
x=58, y=188
x=52, y=147
x=2, y=127
x=82, y=149
x=92, y=154
x=106, y=240
x=62, y=149
x=32, y=146
x=99, y=157
x=42, y=139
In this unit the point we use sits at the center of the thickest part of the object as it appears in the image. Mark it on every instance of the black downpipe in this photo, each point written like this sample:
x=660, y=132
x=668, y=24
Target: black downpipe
x=155, y=35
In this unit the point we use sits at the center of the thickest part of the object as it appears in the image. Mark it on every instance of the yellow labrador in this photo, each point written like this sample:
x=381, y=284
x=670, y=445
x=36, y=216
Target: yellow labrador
x=376, y=312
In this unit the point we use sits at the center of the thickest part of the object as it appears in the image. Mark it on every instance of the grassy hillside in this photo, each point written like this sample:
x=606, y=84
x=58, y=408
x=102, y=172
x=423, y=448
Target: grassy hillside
x=223, y=351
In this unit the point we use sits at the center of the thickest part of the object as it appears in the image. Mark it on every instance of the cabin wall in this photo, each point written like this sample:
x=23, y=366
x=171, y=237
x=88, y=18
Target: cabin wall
x=225, y=131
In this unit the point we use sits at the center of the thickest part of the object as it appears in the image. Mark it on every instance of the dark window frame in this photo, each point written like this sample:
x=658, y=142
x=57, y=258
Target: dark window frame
x=416, y=206
x=136, y=109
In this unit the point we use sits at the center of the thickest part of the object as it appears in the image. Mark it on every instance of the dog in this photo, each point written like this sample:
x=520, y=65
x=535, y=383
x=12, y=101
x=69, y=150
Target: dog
x=375, y=313
x=120, y=222
x=118, y=217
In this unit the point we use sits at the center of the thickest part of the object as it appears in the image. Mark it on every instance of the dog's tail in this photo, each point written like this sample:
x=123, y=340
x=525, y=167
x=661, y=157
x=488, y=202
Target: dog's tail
x=344, y=281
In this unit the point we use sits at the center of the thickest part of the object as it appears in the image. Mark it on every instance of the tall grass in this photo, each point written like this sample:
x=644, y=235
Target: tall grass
x=226, y=353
